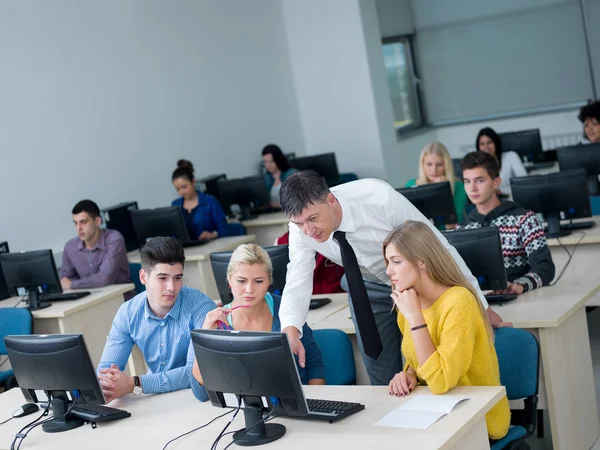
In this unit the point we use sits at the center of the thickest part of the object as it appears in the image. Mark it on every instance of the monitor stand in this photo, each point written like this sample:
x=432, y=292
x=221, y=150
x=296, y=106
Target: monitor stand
x=256, y=431
x=60, y=405
x=34, y=300
x=554, y=229
x=247, y=213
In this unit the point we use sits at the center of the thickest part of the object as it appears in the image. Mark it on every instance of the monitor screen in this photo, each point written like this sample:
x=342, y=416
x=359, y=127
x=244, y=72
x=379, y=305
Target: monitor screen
x=585, y=157
x=324, y=164
x=4, y=291
x=159, y=222
x=34, y=271
x=59, y=365
x=558, y=196
x=481, y=249
x=249, y=193
x=434, y=200
x=527, y=144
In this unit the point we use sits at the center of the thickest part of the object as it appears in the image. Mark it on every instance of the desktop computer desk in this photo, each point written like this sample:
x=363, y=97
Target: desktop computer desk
x=267, y=227
x=91, y=316
x=556, y=316
x=197, y=271
x=156, y=419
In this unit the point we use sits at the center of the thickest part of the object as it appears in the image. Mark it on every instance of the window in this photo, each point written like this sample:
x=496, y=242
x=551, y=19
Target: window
x=403, y=83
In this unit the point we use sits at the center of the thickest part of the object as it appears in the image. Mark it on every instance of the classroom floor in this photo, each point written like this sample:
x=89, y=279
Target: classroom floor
x=594, y=332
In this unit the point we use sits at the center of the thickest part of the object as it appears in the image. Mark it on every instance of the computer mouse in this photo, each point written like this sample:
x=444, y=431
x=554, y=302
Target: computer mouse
x=25, y=410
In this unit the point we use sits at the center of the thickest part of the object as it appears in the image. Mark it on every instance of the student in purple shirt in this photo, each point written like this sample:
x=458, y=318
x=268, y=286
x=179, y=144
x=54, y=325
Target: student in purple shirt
x=204, y=216
x=96, y=257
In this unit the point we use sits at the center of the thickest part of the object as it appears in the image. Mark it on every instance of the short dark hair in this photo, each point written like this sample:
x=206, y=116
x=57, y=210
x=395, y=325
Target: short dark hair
x=161, y=250
x=489, y=132
x=474, y=160
x=185, y=169
x=301, y=190
x=589, y=111
x=282, y=162
x=86, y=206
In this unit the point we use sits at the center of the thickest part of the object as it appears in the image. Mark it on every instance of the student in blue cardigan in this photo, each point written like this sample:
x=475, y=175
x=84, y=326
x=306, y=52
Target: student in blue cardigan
x=277, y=170
x=254, y=309
x=204, y=216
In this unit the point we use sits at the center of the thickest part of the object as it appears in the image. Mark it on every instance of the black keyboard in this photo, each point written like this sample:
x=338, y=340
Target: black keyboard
x=186, y=244
x=98, y=413
x=578, y=225
x=331, y=410
x=500, y=298
x=65, y=297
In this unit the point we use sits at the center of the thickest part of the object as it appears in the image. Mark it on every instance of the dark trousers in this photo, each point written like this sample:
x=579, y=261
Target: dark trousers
x=389, y=363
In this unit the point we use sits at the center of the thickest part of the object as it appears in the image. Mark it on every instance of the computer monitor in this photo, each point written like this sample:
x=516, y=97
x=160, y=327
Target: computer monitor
x=582, y=157
x=159, y=222
x=324, y=164
x=250, y=193
x=561, y=195
x=457, y=166
x=59, y=365
x=34, y=271
x=210, y=184
x=527, y=144
x=481, y=249
x=279, y=259
x=434, y=200
x=259, y=367
x=4, y=291
x=118, y=218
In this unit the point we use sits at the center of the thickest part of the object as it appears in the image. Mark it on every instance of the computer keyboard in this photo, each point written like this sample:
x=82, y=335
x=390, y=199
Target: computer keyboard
x=186, y=244
x=578, y=225
x=500, y=298
x=65, y=296
x=98, y=413
x=331, y=410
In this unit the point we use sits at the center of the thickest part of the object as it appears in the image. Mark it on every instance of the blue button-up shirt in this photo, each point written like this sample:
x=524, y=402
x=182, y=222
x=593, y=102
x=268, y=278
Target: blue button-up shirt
x=165, y=343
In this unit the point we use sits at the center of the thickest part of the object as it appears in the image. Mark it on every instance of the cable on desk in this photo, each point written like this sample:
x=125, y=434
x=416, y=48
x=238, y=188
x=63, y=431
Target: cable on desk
x=562, y=272
x=196, y=429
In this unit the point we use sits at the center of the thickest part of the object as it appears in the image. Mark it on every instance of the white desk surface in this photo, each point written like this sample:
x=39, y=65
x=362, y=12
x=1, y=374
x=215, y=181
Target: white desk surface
x=67, y=308
x=155, y=419
x=275, y=218
x=546, y=307
x=201, y=252
x=338, y=302
x=591, y=236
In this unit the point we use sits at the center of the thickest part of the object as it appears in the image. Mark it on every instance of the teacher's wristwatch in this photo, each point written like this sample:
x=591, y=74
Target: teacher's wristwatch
x=137, y=386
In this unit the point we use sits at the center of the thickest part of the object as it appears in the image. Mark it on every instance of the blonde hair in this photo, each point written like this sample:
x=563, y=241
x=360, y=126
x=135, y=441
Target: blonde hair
x=416, y=241
x=250, y=254
x=437, y=149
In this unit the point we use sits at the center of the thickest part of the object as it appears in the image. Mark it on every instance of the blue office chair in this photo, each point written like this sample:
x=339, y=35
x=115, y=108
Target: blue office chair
x=134, y=270
x=519, y=360
x=338, y=356
x=12, y=321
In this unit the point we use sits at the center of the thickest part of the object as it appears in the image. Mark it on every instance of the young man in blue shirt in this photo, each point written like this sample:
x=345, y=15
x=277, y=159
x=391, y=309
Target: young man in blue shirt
x=159, y=322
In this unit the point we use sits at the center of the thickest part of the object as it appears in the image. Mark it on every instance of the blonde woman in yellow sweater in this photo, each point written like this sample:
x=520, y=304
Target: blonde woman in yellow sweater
x=447, y=338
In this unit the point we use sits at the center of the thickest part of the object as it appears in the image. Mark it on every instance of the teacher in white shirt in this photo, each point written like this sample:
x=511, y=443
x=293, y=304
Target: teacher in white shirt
x=348, y=225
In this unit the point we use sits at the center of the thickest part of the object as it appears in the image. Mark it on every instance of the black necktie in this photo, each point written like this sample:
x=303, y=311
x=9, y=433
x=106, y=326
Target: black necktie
x=365, y=320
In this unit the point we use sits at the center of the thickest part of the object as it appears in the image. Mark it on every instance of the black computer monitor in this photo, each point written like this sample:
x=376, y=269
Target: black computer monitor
x=251, y=365
x=457, y=166
x=250, y=193
x=210, y=184
x=34, y=271
x=527, y=144
x=118, y=218
x=561, y=195
x=159, y=222
x=434, y=200
x=4, y=291
x=279, y=259
x=324, y=164
x=585, y=157
x=59, y=365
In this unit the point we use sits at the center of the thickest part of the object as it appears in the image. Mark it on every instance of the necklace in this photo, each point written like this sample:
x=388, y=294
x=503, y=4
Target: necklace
x=232, y=308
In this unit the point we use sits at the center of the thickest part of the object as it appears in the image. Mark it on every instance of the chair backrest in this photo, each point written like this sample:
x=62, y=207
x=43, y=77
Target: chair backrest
x=338, y=356
x=14, y=321
x=134, y=270
x=519, y=360
x=279, y=259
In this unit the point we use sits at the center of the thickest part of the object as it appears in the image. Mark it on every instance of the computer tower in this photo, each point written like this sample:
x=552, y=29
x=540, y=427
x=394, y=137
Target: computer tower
x=118, y=218
x=4, y=293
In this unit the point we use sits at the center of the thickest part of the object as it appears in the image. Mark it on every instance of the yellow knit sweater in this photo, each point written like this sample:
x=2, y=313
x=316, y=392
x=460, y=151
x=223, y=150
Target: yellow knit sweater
x=464, y=355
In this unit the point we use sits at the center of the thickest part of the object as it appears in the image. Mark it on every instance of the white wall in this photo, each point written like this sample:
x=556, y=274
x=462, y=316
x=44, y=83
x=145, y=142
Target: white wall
x=99, y=100
x=395, y=17
x=329, y=43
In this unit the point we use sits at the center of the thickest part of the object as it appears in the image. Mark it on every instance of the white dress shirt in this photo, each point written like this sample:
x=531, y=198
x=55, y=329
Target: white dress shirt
x=370, y=210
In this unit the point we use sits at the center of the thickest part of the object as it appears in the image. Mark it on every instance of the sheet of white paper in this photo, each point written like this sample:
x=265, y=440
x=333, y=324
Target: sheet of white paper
x=433, y=403
x=409, y=419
